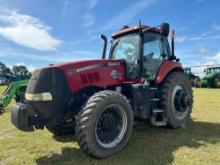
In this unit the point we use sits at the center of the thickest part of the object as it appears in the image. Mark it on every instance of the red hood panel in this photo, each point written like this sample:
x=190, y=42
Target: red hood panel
x=95, y=73
x=79, y=64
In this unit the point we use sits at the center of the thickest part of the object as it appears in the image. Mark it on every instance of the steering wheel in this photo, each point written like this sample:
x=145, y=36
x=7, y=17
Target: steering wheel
x=130, y=54
x=132, y=69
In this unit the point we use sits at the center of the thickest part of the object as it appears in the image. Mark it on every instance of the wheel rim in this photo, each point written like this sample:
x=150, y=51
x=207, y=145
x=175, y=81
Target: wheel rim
x=111, y=126
x=180, y=102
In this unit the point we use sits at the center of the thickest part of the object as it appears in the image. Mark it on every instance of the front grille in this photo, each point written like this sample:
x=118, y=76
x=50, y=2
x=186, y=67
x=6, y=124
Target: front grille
x=51, y=80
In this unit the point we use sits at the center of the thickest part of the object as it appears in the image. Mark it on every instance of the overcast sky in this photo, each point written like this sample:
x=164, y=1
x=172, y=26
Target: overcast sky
x=40, y=32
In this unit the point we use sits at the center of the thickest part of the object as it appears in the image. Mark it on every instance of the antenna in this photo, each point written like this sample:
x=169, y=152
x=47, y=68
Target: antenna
x=139, y=27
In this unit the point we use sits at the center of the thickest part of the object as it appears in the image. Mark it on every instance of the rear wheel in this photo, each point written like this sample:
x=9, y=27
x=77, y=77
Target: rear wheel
x=197, y=82
x=105, y=124
x=176, y=99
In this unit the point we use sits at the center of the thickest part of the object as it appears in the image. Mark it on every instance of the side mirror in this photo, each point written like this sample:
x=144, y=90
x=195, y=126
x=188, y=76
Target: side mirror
x=164, y=29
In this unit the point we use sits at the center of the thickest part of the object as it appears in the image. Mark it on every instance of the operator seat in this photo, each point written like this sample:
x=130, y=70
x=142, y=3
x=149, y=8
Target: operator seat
x=150, y=65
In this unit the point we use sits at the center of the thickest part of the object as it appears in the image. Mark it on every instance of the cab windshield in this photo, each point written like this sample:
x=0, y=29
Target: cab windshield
x=213, y=70
x=125, y=47
x=187, y=71
x=216, y=70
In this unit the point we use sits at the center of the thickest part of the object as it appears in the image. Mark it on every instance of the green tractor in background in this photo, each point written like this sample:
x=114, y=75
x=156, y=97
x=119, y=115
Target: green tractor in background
x=15, y=89
x=195, y=80
x=212, y=77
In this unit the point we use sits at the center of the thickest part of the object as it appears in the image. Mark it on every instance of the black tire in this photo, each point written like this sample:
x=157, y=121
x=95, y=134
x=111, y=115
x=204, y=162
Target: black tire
x=2, y=110
x=88, y=121
x=176, y=82
x=216, y=81
x=62, y=129
x=197, y=82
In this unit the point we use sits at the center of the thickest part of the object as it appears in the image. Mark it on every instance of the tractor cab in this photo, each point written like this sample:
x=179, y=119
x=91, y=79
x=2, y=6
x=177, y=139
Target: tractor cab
x=194, y=79
x=212, y=77
x=188, y=71
x=143, y=48
x=212, y=70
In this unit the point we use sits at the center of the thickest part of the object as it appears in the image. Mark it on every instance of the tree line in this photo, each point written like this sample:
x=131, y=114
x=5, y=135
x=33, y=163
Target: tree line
x=18, y=70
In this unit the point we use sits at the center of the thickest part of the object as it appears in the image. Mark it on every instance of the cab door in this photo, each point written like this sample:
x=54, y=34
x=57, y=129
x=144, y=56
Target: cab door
x=155, y=51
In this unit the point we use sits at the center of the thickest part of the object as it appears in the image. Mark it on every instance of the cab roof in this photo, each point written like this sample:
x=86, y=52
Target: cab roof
x=127, y=29
x=215, y=67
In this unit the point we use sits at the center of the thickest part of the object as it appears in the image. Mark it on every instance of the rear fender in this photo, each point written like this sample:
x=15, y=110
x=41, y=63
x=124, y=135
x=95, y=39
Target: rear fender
x=165, y=68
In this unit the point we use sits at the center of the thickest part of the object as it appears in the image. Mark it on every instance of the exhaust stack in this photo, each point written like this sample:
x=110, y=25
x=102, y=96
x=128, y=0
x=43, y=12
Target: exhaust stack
x=104, y=46
x=172, y=42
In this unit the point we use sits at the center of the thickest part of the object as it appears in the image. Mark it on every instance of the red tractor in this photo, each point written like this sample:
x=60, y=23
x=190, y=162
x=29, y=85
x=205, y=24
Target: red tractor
x=99, y=99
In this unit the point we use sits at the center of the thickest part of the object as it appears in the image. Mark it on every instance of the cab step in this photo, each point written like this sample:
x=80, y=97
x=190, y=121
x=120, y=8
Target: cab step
x=158, y=123
x=155, y=99
x=154, y=94
x=158, y=111
x=158, y=118
x=153, y=88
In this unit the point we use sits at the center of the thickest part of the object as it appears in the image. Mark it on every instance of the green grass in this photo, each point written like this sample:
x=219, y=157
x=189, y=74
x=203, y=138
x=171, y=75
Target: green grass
x=198, y=143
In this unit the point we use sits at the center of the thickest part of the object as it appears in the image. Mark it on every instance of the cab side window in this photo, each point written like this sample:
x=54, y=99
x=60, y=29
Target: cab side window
x=166, y=49
x=154, y=52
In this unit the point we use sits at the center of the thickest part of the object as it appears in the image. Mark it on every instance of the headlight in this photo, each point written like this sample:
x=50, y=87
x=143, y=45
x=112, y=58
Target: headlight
x=46, y=96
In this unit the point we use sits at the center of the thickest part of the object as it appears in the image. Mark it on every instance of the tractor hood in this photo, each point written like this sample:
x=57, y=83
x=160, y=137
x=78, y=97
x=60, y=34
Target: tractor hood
x=51, y=87
x=80, y=66
x=77, y=75
x=99, y=73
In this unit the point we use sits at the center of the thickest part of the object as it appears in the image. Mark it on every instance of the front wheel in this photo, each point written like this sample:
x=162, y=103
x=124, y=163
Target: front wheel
x=105, y=124
x=176, y=99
